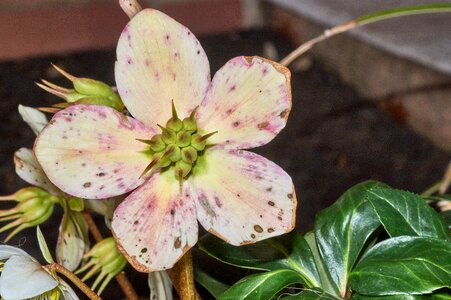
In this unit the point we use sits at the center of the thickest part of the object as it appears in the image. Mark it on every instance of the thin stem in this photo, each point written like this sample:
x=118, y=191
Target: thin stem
x=74, y=279
x=92, y=226
x=182, y=277
x=432, y=189
x=125, y=284
x=363, y=20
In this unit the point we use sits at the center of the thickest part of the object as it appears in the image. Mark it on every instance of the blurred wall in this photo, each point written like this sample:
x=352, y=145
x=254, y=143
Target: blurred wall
x=31, y=28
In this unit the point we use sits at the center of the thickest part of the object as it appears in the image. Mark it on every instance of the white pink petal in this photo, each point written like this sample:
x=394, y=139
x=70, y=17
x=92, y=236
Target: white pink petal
x=92, y=151
x=248, y=103
x=156, y=224
x=159, y=61
x=242, y=197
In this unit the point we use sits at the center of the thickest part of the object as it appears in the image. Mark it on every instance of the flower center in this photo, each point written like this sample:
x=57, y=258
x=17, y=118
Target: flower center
x=178, y=145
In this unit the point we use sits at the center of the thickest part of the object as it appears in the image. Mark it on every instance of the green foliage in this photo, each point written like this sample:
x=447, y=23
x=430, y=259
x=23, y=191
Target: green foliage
x=373, y=242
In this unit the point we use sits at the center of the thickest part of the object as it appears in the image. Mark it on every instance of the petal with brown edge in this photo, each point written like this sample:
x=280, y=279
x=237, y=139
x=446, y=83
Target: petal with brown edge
x=92, y=151
x=160, y=60
x=156, y=224
x=247, y=104
x=242, y=197
x=29, y=169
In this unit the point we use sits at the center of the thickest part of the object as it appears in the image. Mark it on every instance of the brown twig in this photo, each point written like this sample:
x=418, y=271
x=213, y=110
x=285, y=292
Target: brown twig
x=74, y=279
x=122, y=280
x=182, y=277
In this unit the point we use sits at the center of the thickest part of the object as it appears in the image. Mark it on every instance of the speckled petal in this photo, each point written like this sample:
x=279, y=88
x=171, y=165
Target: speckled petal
x=160, y=60
x=91, y=151
x=248, y=103
x=242, y=197
x=156, y=224
x=29, y=169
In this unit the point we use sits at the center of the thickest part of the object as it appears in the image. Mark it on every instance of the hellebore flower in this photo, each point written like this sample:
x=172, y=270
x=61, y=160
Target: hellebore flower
x=22, y=277
x=185, y=172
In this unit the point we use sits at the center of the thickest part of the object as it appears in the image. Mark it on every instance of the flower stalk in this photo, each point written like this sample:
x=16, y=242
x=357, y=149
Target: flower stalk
x=182, y=277
x=74, y=279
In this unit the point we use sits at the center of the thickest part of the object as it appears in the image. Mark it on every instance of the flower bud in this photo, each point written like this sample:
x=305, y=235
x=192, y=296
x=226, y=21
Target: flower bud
x=35, y=207
x=91, y=87
x=106, y=260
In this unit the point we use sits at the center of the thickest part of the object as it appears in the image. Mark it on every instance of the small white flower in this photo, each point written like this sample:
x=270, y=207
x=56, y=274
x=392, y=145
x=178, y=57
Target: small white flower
x=19, y=268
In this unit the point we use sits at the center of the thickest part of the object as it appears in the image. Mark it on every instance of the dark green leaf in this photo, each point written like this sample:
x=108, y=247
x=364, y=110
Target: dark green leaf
x=253, y=256
x=392, y=297
x=267, y=255
x=405, y=213
x=405, y=264
x=326, y=282
x=447, y=217
x=215, y=287
x=261, y=286
x=342, y=231
x=308, y=294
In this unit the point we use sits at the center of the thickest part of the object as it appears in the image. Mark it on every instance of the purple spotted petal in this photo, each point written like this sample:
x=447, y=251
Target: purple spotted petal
x=156, y=224
x=248, y=103
x=160, y=60
x=242, y=197
x=91, y=151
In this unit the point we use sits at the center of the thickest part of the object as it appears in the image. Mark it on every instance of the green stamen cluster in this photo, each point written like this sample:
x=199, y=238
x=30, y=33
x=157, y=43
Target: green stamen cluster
x=178, y=145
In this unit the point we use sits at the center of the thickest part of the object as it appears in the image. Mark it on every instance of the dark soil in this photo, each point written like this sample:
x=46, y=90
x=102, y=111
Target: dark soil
x=334, y=139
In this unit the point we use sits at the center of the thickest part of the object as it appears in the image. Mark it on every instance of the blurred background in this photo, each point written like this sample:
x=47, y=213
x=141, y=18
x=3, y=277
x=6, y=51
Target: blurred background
x=371, y=104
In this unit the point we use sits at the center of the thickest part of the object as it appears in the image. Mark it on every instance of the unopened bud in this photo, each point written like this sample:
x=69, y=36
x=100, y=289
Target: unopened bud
x=91, y=87
x=106, y=260
x=30, y=192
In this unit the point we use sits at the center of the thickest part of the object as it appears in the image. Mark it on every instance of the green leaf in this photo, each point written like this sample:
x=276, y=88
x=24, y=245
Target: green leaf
x=342, y=231
x=308, y=294
x=406, y=264
x=43, y=246
x=261, y=286
x=268, y=255
x=253, y=256
x=405, y=213
x=212, y=285
x=326, y=281
x=447, y=217
x=392, y=297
